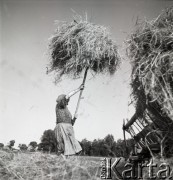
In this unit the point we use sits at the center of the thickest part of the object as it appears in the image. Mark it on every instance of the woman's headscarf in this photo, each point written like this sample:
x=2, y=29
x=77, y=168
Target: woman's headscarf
x=61, y=101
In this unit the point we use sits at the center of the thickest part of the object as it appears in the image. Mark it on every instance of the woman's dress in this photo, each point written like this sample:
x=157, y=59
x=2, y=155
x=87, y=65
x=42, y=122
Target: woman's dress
x=64, y=133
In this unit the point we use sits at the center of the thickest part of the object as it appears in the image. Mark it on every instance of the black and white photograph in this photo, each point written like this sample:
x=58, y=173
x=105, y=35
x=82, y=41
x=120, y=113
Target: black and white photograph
x=86, y=89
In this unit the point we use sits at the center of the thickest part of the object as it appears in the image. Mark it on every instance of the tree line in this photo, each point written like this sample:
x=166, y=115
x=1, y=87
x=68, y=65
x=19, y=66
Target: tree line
x=105, y=147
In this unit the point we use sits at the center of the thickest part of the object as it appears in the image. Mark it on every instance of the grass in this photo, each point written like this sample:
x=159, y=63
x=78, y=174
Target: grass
x=42, y=166
x=166, y=164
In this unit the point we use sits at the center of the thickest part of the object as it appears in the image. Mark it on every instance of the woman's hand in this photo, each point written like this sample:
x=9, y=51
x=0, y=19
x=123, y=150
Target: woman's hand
x=81, y=87
x=75, y=116
x=74, y=119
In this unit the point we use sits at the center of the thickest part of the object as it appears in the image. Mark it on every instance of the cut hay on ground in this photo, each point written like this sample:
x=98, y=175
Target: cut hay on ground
x=42, y=166
x=150, y=49
x=80, y=44
x=39, y=166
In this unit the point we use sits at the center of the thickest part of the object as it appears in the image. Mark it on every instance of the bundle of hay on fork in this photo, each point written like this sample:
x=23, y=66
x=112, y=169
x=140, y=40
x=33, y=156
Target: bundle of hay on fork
x=150, y=49
x=80, y=45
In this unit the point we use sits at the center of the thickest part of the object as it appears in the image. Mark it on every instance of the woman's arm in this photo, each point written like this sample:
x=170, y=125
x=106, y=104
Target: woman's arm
x=69, y=95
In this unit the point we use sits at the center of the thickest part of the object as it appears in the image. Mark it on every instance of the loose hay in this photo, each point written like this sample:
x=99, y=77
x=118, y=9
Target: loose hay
x=150, y=49
x=36, y=166
x=80, y=44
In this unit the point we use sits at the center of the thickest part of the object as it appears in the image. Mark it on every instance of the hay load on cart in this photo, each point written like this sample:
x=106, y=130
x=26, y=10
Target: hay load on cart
x=150, y=49
x=79, y=46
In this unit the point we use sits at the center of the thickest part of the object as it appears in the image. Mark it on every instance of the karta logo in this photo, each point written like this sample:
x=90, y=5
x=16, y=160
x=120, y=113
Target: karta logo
x=133, y=170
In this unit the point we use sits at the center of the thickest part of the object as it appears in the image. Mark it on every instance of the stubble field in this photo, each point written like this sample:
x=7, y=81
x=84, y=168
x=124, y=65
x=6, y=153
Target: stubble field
x=43, y=166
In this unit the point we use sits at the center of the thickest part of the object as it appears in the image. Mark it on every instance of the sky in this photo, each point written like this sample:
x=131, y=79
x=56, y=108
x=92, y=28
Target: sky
x=28, y=95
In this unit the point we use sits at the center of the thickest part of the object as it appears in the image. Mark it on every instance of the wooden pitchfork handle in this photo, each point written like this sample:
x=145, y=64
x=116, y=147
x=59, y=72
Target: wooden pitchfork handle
x=81, y=91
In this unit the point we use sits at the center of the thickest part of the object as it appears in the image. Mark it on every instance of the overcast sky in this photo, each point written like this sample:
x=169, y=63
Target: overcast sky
x=28, y=94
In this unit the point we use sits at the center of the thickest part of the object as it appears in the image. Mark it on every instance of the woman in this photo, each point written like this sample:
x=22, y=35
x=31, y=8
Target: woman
x=64, y=133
